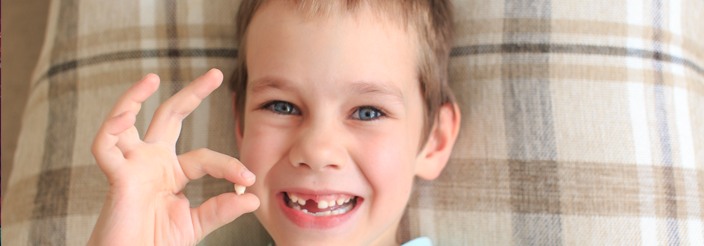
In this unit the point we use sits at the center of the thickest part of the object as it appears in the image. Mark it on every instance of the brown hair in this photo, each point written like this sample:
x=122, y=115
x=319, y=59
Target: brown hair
x=430, y=19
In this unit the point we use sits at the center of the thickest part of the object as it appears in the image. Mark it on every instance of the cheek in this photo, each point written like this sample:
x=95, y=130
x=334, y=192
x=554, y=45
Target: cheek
x=387, y=161
x=262, y=148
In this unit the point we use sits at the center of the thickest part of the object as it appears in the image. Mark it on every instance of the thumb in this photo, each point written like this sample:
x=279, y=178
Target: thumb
x=221, y=210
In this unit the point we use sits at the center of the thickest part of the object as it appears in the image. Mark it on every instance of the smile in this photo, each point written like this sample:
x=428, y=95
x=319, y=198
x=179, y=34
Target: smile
x=318, y=209
x=315, y=206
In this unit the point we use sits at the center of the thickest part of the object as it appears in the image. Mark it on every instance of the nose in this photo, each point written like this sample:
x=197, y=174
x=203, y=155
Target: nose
x=319, y=146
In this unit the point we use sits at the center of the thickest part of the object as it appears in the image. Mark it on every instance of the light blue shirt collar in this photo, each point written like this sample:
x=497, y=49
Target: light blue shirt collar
x=421, y=241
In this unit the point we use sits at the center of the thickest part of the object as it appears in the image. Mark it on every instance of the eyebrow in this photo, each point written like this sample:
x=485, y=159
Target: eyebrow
x=366, y=87
x=268, y=83
x=354, y=88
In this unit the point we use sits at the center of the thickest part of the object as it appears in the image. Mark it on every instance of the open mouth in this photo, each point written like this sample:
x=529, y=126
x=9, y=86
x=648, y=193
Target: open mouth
x=320, y=205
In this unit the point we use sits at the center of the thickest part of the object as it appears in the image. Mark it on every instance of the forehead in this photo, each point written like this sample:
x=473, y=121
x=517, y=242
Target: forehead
x=338, y=47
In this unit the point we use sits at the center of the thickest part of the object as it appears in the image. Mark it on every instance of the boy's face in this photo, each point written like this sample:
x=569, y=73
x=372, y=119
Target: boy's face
x=333, y=112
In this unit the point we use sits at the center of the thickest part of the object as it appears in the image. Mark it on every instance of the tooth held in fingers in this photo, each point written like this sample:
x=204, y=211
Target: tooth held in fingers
x=239, y=189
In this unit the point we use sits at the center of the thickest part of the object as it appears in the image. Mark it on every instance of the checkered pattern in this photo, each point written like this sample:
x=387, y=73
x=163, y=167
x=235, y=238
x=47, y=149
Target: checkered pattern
x=583, y=121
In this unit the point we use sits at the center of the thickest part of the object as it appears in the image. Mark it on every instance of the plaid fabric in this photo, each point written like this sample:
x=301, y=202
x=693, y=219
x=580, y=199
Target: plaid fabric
x=583, y=120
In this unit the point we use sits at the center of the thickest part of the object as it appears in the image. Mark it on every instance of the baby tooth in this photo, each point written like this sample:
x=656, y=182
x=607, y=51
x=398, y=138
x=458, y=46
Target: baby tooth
x=336, y=212
x=293, y=197
x=239, y=189
x=328, y=213
x=304, y=210
x=340, y=201
x=322, y=204
x=301, y=201
x=319, y=214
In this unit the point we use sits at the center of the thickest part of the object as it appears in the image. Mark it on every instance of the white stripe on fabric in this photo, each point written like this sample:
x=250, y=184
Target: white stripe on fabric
x=695, y=231
x=635, y=12
x=641, y=135
x=200, y=116
x=147, y=19
x=686, y=146
x=639, y=123
x=675, y=17
x=684, y=128
x=147, y=13
x=648, y=231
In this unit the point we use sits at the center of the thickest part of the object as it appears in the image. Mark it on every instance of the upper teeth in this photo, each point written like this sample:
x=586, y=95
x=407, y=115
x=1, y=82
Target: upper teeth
x=321, y=204
x=294, y=199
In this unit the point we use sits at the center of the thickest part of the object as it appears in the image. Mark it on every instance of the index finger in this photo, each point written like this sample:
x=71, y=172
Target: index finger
x=166, y=123
x=132, y=99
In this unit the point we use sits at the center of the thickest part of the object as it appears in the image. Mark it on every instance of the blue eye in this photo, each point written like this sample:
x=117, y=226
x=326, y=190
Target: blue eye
x=282, y=107
x=367, y=113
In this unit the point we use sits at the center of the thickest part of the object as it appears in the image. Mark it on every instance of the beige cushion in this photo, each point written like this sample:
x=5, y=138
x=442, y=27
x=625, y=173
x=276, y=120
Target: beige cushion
x=583, y=121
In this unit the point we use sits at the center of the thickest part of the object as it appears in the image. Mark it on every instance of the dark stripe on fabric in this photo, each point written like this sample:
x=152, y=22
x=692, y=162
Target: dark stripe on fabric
x=173, y=45
x=573, y=49
x=175, y=76
x=664, y=131
x=533, y=171
x=456, y=52
x=51, y=200
x=140, y=54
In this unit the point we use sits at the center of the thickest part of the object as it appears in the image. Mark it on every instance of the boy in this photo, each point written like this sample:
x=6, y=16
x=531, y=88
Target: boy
x=338, y=106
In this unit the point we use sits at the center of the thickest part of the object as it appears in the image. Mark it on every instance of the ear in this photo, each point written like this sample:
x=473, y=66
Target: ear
x=434, y=156
x=238, y=127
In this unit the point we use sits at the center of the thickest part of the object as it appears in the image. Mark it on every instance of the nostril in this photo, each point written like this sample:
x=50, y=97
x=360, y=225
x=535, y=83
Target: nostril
x=323, y=167
x=332, y=166
x=300, y=164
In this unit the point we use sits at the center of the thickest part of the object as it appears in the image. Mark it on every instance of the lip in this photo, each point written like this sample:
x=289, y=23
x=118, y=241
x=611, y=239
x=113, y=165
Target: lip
x=307, y=221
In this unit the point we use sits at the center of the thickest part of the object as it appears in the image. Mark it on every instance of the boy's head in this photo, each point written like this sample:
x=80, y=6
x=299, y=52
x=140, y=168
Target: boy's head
x=339, y=105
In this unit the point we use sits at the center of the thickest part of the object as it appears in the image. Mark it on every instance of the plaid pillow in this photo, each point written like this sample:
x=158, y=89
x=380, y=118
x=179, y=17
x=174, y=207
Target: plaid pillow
x=583, y=120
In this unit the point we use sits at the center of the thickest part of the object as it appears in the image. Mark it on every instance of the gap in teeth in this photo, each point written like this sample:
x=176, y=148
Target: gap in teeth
x=296, y=203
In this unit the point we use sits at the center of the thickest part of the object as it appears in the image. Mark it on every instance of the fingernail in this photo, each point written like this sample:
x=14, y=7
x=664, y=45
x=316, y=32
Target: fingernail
x=246, y=174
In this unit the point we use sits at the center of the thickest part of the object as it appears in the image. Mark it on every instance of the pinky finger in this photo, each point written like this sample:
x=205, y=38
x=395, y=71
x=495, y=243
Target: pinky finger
x=105, y=147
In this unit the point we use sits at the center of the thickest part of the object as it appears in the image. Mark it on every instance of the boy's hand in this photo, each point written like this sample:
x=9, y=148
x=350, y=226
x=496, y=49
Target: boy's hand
x=144, y=205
